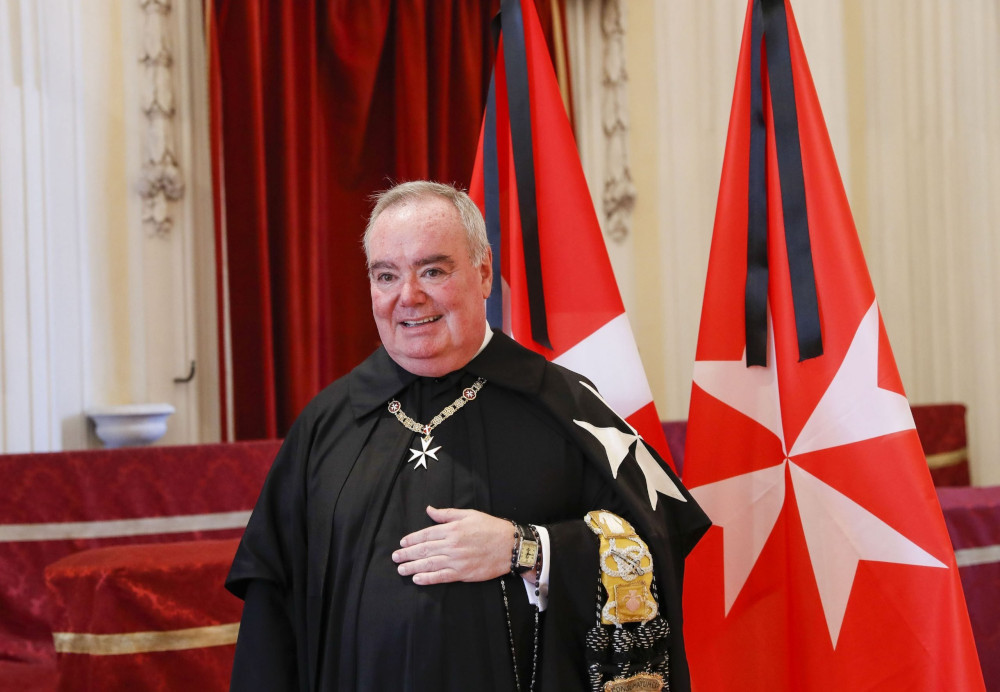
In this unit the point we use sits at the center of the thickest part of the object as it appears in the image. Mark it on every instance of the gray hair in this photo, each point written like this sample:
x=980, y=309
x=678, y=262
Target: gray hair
x=471, y=217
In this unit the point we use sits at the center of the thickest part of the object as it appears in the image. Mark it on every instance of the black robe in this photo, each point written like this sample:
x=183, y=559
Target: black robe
x=325, y=608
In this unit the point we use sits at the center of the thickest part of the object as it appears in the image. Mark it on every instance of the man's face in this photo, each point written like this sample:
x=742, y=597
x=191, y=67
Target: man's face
x=427, y=295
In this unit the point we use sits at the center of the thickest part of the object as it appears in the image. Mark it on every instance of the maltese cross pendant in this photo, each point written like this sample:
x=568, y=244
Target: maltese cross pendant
x=421, y=454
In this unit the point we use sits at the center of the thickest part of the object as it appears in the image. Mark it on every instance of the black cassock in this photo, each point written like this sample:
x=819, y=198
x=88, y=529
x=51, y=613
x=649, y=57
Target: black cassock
x=325, y=608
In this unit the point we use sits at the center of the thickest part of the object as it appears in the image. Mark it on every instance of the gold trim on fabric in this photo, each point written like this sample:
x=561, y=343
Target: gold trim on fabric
x=70, y=530
x=981, y=555
x=636, y=683
x=144, y=642
x=942, y=459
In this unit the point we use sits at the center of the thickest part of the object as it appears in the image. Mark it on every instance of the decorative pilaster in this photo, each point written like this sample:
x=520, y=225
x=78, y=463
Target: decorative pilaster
x=161, y=181
x=619, y=192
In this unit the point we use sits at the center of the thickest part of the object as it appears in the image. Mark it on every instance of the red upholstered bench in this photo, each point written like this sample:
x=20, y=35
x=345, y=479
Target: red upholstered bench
x=54, y=505
x=152, y=616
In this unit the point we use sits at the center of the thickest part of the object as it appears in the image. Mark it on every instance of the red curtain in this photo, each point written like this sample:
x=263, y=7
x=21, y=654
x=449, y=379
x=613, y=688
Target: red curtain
x=316, y=105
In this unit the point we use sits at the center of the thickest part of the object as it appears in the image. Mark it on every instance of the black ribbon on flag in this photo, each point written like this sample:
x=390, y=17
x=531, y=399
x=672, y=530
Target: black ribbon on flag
x=769, y=26
x=491, y=200
x=519, y=111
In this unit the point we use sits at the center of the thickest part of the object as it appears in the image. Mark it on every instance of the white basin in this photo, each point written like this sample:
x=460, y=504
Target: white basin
x=130, y=425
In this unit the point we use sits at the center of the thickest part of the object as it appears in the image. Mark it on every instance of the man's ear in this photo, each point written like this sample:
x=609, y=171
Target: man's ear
x=486, y=272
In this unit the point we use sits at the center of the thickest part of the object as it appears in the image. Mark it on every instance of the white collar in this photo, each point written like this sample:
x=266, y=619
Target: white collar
x=486, y=339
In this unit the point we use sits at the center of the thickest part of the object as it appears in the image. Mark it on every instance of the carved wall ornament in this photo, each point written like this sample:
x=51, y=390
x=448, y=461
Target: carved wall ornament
x=619, y=192
x=161, y=182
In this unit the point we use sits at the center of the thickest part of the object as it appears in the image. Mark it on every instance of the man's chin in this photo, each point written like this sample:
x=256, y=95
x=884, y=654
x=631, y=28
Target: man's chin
x=416, y=360
x=428, y=362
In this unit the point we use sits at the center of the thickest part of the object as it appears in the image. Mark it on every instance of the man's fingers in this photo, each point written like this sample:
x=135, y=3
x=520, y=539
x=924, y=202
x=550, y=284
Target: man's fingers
x=412, y=567
x=431, y=533
x=436, y=532
x=445, y=515
x=436, y=569
x=420, y=551
x=442, y=576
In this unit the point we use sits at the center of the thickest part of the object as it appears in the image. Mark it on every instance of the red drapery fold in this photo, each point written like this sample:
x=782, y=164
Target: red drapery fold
x=316, y=105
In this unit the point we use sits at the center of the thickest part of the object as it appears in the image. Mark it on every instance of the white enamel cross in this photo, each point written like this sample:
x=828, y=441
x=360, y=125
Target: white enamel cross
x=421, y=454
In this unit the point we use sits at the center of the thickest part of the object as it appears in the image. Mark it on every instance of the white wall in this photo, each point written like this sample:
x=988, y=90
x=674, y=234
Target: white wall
x=95, y=308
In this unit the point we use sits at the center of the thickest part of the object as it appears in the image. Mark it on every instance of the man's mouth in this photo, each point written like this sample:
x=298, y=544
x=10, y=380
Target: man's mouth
x=417, y=323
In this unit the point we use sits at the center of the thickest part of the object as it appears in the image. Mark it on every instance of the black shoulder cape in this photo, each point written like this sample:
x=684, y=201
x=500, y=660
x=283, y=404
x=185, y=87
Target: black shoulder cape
x=288, y=538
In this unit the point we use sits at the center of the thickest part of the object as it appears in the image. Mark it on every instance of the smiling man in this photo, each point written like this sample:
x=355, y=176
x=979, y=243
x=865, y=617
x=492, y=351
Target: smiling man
x=429, y=280
x=423, y=527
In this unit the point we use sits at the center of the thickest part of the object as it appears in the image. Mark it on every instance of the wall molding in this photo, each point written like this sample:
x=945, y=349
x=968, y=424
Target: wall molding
x=619, y=193
x=161, y=182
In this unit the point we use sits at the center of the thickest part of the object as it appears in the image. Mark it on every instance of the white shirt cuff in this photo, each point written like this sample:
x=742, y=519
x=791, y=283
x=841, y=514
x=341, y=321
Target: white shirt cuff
x=542, y=600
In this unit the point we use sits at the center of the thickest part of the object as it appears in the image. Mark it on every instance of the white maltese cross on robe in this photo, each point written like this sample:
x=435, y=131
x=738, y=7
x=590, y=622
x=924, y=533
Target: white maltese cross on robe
x=617, y=444
x=421, y=454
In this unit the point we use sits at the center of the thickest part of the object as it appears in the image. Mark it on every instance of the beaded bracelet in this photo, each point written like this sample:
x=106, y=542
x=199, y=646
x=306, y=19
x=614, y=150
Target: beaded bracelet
x=518, y=537
x=538, y=556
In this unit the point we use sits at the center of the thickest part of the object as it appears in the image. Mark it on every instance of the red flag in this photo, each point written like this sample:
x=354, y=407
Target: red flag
x=829, y=566
x=586, y=322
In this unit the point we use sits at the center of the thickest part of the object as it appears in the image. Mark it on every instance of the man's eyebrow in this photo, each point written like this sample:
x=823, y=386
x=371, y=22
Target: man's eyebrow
x=381, y=264
x=440, y=258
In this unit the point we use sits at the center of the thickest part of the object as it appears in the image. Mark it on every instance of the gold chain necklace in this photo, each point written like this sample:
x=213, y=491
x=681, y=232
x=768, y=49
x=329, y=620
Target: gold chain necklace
x=421, y=455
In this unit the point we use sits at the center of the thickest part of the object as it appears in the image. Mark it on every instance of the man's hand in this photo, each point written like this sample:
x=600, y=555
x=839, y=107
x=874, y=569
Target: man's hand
x=465, y=545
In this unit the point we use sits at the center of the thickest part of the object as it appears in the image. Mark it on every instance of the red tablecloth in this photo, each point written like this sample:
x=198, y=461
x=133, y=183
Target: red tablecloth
x=973, y=519
x=145, y=617
x=52, y=505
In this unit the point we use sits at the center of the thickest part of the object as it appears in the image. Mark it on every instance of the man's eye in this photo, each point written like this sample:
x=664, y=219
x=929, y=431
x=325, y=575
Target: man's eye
x=434, y=273
x=384, y=277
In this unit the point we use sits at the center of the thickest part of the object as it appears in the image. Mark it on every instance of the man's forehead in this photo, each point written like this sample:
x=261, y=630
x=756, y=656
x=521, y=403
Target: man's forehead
x=417, y=233
x=429, y=208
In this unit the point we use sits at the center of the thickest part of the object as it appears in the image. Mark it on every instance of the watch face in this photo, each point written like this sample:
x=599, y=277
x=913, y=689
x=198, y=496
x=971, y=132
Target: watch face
x=528, y=554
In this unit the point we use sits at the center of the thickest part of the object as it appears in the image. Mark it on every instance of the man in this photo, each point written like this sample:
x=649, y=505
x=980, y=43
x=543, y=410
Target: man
x=384, y=551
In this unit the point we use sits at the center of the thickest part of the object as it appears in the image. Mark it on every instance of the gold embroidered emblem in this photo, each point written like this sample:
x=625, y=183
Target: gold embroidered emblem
x=626, y=570
x=633, y=603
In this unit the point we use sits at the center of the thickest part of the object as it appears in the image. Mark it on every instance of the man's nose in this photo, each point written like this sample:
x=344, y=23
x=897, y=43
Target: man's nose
x=411, y=293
